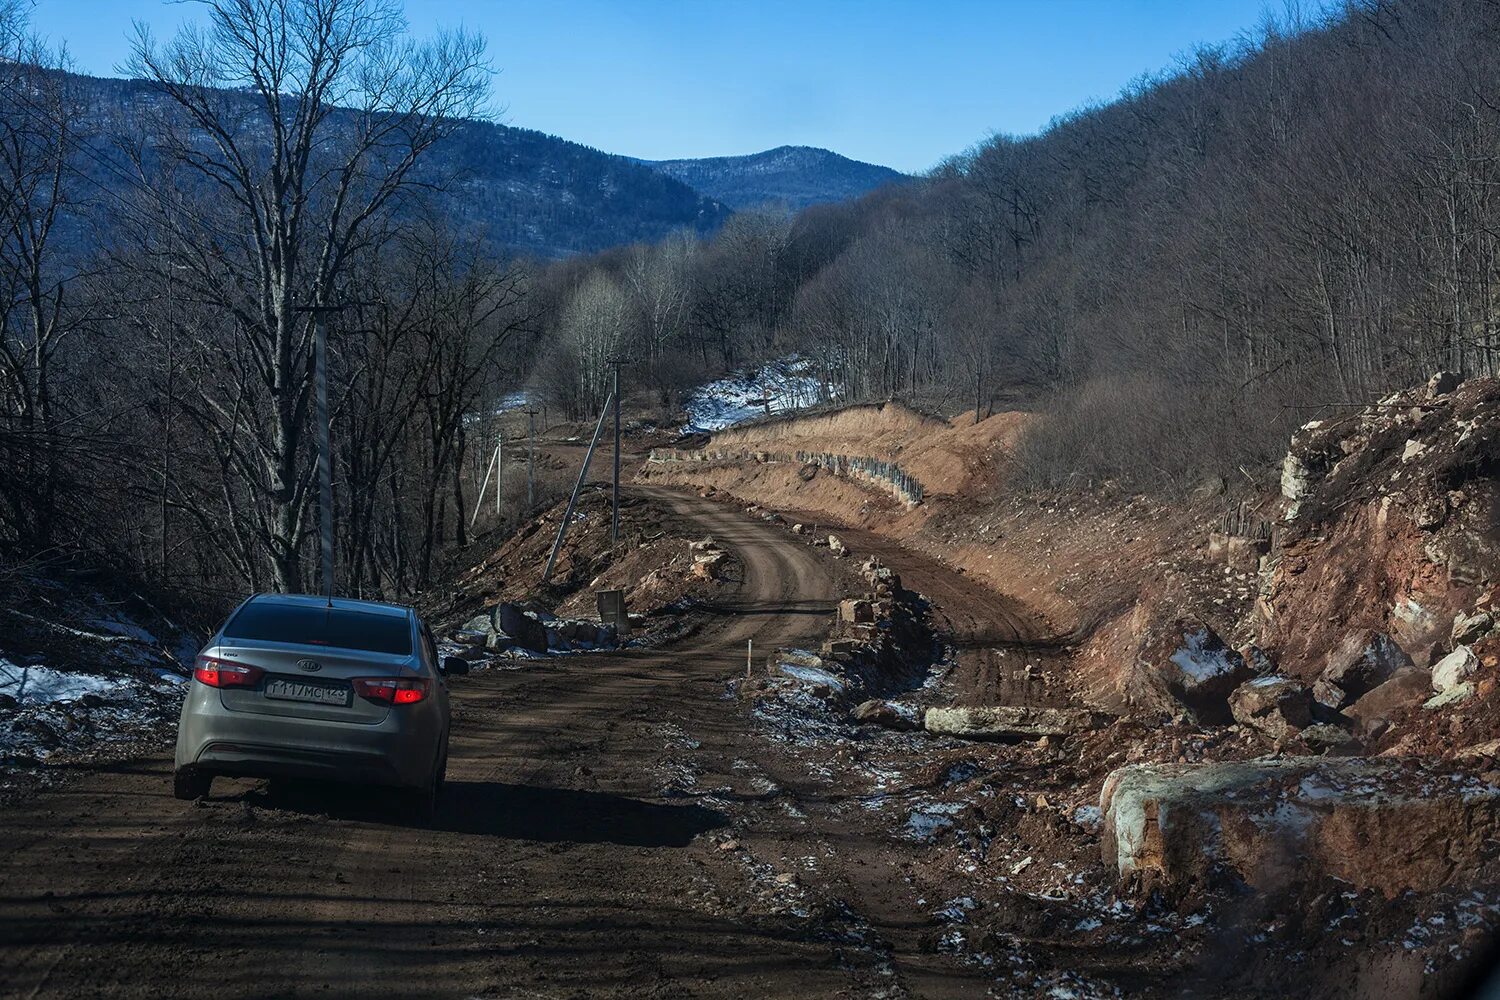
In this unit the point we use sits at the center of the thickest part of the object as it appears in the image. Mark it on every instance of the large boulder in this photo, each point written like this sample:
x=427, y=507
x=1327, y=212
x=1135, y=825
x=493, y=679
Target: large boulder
x=1471, y=627
x=1361, y=662
x=1009, y=722
x=522, y=629
x=1389, y=825
x=1406, y=689
x=1454, y=669
x=856, y=611
x=1201, y=670
x=889, y=714
x=1277, y=706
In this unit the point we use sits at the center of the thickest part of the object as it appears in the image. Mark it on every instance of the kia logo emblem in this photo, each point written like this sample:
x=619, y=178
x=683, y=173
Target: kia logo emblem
x=309, y=665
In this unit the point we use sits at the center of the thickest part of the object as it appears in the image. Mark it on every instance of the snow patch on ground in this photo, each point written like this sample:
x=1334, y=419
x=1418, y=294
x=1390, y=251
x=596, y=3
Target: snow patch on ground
x=788, y=383
x=43, y=686
x=1199, y=661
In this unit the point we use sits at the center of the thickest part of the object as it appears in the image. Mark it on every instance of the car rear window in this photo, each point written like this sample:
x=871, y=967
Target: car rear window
x=372, y=633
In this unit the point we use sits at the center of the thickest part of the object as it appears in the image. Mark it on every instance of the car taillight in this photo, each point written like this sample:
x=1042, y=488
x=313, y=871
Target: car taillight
x=391, y=690
x=225, y=674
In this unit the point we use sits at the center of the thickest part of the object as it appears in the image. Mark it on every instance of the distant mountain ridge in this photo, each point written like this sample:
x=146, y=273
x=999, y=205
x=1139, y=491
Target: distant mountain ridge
x=796, y=176
x=529, y=192
x=544, y=196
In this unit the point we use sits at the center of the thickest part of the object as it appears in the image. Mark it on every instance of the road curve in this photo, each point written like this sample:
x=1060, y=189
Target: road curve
x=570, y=857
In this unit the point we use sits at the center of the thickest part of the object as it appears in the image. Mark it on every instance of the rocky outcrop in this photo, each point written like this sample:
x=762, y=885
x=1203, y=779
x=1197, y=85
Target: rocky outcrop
x=1391, y=826
x=1390, y=523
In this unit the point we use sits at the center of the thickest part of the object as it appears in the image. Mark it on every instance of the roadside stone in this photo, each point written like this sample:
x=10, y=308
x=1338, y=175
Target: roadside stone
x=837, y=546
x=1009, y=722
x=1416, y=629
x=1324, y=737
x=522, y=629
x=1471, y=627
x=879, y=712
x=1276, y=706
x=480, y=623
x=1443, y=383
x=1489, y=750
x=1361, y=662
x=704, y=544
x=798, y=528
x=1406, y=689
x=1386, y=825
x=1456, y=695
x=1454, y=669
x=856, y=611
x=1201, y=671
x=1262, y=663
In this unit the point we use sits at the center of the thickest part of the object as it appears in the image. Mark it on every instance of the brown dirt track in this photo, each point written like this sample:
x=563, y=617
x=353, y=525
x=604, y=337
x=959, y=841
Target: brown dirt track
x=572, y=856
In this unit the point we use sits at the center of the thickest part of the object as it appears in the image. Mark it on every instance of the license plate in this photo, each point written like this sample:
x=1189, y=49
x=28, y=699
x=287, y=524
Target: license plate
x=318, y=694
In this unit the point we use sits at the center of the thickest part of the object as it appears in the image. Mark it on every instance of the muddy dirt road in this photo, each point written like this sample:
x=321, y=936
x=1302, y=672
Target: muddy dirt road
x=614, y=826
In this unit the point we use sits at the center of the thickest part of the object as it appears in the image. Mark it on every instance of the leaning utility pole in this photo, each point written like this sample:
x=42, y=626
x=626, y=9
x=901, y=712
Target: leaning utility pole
x=497, y=466
x=562, y=529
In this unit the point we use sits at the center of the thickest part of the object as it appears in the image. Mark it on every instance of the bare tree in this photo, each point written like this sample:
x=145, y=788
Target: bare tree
x=290, y=130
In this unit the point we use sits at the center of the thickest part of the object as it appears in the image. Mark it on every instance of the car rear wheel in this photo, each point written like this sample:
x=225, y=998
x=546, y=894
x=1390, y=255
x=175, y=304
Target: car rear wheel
x=190, y=783
x=420, y=804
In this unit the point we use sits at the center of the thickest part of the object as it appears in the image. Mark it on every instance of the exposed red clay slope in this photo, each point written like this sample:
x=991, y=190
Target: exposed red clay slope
x=1087, y=568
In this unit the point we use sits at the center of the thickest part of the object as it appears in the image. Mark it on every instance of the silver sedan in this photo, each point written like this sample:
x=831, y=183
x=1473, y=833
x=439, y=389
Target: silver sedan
x=300, y=686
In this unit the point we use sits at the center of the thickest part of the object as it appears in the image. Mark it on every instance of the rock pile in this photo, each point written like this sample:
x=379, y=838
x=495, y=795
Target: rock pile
x=507, y=628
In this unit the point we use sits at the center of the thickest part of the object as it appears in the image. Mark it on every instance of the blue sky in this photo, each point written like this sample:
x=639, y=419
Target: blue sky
x=900, y=83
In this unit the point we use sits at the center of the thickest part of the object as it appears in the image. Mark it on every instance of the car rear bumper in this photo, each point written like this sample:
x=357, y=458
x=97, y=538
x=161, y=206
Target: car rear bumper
x=401, y=750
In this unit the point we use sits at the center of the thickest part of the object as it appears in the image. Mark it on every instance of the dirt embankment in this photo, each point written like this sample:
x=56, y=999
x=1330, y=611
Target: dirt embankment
x=1084, y=571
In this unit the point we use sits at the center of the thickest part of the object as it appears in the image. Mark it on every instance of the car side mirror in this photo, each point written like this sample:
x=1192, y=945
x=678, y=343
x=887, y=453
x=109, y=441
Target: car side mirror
x=455, y=666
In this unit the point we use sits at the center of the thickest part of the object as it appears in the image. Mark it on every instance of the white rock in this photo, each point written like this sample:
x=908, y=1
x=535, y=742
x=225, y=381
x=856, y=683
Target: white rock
x=1453, y=669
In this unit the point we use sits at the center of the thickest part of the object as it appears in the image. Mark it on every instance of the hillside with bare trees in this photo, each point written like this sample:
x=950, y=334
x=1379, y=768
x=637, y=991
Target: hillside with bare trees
x=1179, y=277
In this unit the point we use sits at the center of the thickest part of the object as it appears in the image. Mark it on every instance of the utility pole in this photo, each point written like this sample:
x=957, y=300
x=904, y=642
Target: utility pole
x=562, y=529
x=325, y=458
x=325, y=454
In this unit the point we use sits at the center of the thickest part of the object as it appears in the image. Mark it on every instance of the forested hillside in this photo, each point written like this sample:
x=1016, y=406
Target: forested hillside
x=1179, y=276
x=793, y=176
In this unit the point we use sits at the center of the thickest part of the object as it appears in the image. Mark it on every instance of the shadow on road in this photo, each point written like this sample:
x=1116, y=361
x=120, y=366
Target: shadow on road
x=514, y=812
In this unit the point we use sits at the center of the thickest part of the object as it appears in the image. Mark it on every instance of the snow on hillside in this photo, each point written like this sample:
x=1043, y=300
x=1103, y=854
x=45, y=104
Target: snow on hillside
x=789, y=383
x=84, y=674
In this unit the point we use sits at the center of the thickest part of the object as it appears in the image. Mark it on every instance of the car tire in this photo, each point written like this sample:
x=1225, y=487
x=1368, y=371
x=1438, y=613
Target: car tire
x=420, y=805
x=189, y=783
